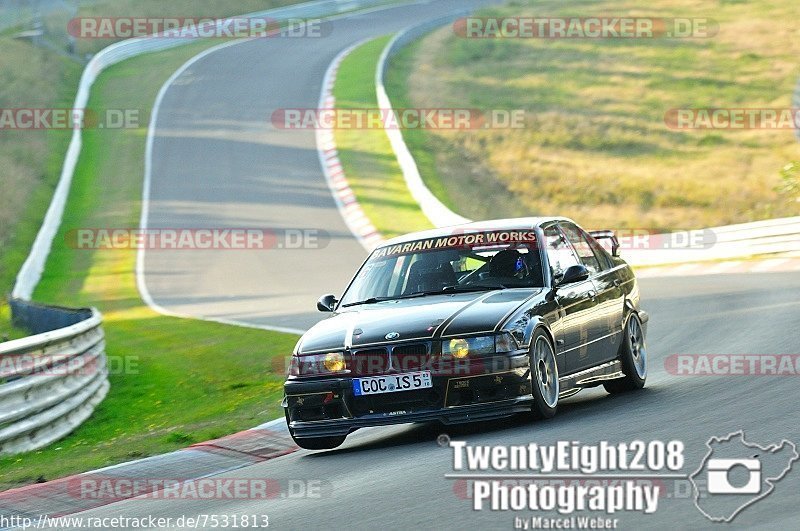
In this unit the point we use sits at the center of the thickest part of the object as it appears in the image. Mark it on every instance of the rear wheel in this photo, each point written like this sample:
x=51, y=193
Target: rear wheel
x=544, y=377
x=633, y=359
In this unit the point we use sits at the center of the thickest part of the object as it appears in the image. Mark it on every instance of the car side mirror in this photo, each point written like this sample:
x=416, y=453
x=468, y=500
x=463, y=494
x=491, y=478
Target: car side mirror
x=326, y=303
x=573, y=274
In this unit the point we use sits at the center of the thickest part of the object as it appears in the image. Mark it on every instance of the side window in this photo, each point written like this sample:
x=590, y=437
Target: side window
x=585, y=250
x=559, y=252
x=602, y=255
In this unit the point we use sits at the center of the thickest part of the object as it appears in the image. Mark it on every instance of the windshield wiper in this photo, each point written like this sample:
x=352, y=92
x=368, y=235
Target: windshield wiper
x=472, y=287
x=375, y=300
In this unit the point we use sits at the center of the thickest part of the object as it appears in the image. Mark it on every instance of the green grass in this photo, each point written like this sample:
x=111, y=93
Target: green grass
x=30, y=160
x=366, y=154
x=190, y=380
x=7, y=331
x=595, y=146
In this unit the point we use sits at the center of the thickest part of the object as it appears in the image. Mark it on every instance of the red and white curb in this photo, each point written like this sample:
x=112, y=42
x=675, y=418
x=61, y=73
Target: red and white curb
x=66, y=496
x=768, y=265
x=349, y=207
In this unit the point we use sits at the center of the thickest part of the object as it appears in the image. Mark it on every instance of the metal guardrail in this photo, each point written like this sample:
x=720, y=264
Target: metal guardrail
x=50, y=382
x=31, y=271
x=759, y=238
x=434, y=210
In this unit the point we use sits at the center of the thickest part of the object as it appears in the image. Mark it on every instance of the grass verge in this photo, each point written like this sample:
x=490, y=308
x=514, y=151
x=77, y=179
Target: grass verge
x=366, y=154
x=30, y=159
x=174, y=381
x=596, y=146
x=7, y=331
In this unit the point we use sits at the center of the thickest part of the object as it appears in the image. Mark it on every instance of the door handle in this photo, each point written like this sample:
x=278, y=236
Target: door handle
x=591, y=294
x=617, y=283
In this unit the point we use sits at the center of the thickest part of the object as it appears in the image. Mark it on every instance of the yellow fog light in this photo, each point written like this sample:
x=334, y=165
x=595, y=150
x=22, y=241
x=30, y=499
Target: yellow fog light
x=459, y=348
x=334, y=362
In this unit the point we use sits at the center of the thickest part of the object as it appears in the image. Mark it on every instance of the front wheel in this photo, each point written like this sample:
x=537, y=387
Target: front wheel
x=315, y=443
x=319, y=443
x=544, y=377
x=633, y=359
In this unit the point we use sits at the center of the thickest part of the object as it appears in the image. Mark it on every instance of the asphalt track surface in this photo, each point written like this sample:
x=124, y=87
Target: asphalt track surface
x=218, y=164
x=394, y=477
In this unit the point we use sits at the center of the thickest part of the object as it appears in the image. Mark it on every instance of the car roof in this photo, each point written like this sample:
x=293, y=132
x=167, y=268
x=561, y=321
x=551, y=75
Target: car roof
x=476, y=226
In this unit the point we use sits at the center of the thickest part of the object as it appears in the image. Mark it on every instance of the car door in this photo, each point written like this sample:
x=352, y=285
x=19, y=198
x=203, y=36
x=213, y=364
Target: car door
x=607, y=321
x=576, y=301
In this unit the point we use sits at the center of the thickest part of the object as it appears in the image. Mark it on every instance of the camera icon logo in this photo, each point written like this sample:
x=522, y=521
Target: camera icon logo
x=720, y=472
x=735, y=474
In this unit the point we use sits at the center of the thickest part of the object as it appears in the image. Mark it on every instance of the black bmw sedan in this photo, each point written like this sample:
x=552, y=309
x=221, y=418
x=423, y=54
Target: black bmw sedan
x=468, y=323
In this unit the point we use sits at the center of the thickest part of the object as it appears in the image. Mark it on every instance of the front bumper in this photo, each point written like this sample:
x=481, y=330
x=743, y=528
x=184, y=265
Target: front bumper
x=328, y=407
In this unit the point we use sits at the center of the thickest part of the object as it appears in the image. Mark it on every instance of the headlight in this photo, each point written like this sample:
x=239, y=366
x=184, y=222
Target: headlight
x=318, y=364
x=461, y=347
x=505, y=342
x=334, y=362
x=458, y=348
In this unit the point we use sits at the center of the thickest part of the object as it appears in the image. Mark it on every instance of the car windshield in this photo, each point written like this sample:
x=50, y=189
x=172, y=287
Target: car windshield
x=474, y=261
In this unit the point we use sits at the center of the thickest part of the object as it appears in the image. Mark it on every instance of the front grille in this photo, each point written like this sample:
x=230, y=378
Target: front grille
x=409, y=357
x=369, y=361
x=413, y=357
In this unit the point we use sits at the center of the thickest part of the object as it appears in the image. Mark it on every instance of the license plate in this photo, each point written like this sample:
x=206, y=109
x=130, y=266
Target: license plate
x=391, y=384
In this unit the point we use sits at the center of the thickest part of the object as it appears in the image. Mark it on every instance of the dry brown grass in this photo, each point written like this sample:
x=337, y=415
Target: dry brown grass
x=595, y=146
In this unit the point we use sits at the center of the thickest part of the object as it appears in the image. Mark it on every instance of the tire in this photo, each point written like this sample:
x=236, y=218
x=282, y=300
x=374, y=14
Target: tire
x=633, y=357
x=544, y=376
x=315, y=443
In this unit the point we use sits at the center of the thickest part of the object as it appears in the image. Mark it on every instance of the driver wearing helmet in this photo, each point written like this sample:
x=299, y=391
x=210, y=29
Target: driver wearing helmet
x=509, y=263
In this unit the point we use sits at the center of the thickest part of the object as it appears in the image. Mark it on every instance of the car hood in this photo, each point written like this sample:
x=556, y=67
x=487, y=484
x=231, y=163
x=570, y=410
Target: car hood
x=416, y=318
